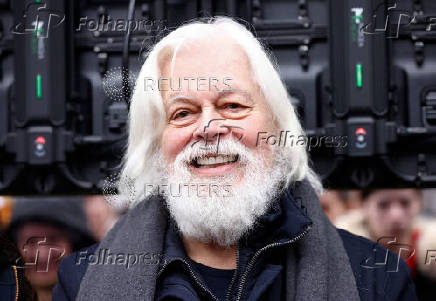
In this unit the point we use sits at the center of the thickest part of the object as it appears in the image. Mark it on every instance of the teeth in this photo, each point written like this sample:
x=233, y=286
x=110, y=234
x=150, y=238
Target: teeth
x=220, y=159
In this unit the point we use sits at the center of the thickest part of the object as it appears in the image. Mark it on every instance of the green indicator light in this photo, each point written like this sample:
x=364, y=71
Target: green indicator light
x=359, y=75
x=38, y=86
x=37, y=1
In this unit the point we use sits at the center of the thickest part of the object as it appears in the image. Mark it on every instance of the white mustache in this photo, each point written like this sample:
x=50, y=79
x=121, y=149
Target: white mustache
x=222, y=218
x=227, y=147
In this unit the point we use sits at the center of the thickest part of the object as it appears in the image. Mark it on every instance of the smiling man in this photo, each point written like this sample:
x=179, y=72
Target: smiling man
x=265, y=240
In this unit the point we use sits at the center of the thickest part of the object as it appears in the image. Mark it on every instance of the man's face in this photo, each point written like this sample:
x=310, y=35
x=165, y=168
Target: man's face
x=391, y=212
x=42, y=246
x=210, y=138
x=204, y=115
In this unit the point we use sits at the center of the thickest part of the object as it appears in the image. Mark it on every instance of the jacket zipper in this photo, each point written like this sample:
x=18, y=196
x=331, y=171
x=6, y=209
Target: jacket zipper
x=192, y=275
x=14, y=267
x=247, y=270
x=234, y=274
x=256, y=255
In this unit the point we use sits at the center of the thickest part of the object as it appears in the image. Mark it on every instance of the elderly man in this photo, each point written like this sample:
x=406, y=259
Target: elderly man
x=218, y=212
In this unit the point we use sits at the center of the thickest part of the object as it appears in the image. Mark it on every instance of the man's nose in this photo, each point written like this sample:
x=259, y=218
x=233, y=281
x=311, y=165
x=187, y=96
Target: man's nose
x=397, y=214
x=211, y=127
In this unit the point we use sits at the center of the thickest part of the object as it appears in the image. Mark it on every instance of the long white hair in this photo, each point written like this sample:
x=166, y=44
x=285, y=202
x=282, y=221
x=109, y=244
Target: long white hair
x=147, y=114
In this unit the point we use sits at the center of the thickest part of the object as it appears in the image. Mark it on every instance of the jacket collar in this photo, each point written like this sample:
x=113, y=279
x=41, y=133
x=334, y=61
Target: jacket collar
x=144, y=227
x=284, y=221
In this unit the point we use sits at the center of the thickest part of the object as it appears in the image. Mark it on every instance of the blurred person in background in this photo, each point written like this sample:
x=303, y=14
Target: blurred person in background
x=391, y=217
x=13, y=284
x=46, y=229
x=334, y=203
x=354, y=199
x=99, y=215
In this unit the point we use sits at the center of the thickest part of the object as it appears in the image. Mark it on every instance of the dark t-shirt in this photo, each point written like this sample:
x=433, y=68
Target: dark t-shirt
x=217, y=280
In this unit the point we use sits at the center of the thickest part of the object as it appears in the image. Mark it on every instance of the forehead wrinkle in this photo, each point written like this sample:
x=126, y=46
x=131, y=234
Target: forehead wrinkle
x=177, y=97
x=244, y=93
x=180, y=98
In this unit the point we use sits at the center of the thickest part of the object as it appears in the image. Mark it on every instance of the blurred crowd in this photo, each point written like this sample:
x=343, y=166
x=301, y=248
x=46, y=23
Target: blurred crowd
x=401, y=220
x=37, y=232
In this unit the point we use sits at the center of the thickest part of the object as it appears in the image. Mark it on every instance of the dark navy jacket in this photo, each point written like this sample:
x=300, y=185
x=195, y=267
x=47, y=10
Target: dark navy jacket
x=379, y=274
x=8, y=284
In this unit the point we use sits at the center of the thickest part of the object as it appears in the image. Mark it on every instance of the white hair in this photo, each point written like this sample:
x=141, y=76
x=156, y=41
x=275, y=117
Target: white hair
x=147, y=114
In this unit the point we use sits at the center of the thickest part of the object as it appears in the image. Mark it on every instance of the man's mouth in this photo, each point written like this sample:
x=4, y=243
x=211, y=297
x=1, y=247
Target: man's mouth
x=214, y=160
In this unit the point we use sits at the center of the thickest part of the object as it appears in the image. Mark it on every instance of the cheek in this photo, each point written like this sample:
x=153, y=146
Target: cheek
x=262, y=150
x=378, y=227
x=255, y=127
x=374, y=215
x=416, y=208
x=409, y=214
x=173, y=142
x=250, y=140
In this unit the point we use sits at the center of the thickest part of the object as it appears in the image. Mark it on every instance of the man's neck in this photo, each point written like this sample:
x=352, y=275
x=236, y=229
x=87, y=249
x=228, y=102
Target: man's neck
x=210, y=255
x=44, y=293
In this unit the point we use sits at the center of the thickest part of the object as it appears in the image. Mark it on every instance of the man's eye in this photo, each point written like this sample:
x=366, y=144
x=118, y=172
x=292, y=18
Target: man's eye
x=405, y=203
x=234, y=109
x=181, y=114
x=383, y=205
x=233, y=106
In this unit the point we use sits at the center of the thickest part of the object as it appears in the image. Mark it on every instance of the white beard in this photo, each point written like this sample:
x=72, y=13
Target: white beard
x=221, y=217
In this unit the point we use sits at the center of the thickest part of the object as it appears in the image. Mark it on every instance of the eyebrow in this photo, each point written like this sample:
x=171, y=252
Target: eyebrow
x=179, y=97
x=184, y=98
